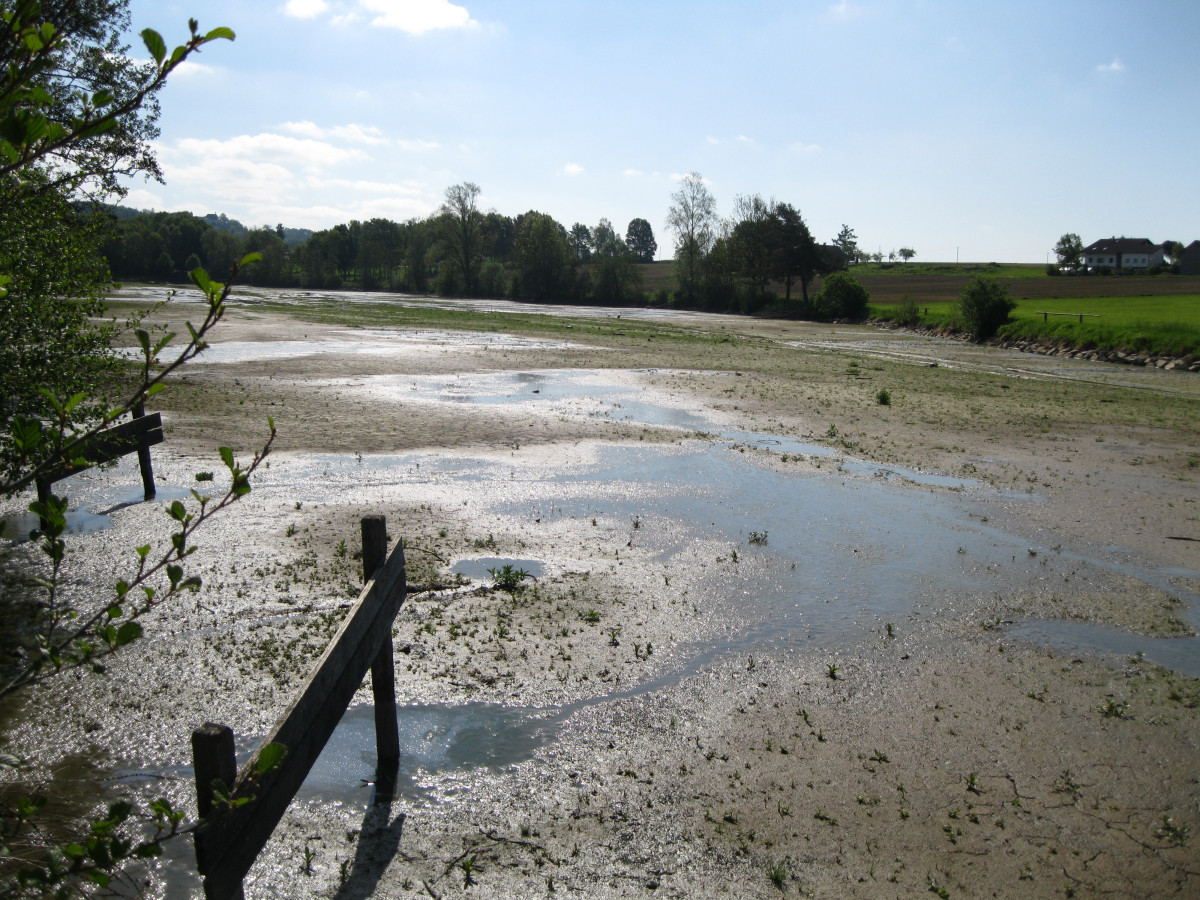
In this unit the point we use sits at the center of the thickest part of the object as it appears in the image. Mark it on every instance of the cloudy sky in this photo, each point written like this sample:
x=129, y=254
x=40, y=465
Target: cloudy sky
x=957, y=127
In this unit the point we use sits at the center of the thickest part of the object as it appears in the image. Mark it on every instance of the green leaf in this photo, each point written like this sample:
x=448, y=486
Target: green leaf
x=174, y=573
x=251, y=258
x=101, y=98
x=177, y=511
x=154, y=389
x=128, y=633
x=155, y=44
x=269, y=758
x=222, y=32
x=95, y=875
x=226, y=456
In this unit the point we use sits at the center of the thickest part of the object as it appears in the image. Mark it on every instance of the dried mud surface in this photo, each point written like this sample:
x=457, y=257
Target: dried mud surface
x=939, y=754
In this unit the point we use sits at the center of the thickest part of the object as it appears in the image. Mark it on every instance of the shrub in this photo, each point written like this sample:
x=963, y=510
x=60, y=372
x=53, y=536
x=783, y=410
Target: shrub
x=908, y=313
x=884, y=397
x=841, y=297
x=983, y=307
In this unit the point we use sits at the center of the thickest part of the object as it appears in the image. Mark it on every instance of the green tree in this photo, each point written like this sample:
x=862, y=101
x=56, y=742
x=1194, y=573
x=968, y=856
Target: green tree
x=639, y=237
x=692, y=215
x=462, y=231
x=1069, y=251
x=841, y=297
x=542, y=257
x=906, y=253
x=847, y=242
x=983, y=307
x=580, y=240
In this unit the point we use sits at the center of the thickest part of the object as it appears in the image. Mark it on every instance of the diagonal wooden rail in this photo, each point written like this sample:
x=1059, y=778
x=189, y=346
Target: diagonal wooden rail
x=231, y=838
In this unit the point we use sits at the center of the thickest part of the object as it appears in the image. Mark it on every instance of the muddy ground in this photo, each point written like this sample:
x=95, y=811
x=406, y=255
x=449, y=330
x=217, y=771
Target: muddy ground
x=938, y=749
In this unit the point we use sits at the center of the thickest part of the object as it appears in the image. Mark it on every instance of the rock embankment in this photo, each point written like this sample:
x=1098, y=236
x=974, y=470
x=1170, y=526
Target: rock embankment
x=1189, y=363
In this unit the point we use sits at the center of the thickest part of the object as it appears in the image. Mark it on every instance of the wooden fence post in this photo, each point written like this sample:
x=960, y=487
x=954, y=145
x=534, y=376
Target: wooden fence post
x=148, y=489
x=213, y=757
x=383, y=677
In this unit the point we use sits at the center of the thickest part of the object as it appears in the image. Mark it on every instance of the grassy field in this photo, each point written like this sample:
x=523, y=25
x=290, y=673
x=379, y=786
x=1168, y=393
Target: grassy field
x=1164, y=325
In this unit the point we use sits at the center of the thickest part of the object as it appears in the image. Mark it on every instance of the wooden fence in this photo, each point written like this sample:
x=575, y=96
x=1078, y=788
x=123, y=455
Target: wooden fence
x=232, y=836
x=136, y=436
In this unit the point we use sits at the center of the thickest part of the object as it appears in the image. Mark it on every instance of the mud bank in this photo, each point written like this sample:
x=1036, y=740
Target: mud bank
x=781, y=638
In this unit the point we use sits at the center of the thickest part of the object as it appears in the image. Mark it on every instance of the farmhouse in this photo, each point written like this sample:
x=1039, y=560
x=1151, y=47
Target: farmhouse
x=1123, y=253
x=1189, y=259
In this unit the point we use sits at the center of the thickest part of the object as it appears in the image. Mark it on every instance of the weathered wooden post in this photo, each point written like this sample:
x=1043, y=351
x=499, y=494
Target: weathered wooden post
x=383, y=677
x=148, y=489
x=231, y=837
x=213, y=758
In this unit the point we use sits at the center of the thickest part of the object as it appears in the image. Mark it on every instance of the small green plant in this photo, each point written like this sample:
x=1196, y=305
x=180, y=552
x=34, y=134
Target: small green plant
x=879, y=757
x=612, y=637
x=832, y=672
x=778, y=875
x=883, y=397
x=291, y=529
x=1114, y=709
x=907, y=313
x=591, y=617
x=469, y=867
x=309, y=855
x=340, y=550
x=758, y=537
x=508, y=578
x=973, y=783
x=831, y=432
x=204, y=476
x=1172, y=833
x=891, y=630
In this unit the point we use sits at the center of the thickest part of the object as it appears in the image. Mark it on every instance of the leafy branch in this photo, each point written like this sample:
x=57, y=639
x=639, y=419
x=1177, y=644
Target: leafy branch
x=43, y=447
x=88, y=640
x=27, y=133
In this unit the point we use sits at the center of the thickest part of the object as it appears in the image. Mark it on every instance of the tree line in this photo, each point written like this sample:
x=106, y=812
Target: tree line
x=752, y=261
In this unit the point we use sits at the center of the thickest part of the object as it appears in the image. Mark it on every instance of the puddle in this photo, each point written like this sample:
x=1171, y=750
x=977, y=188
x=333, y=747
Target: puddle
x=1178, y=654
x=92, y=513
x=478, y=569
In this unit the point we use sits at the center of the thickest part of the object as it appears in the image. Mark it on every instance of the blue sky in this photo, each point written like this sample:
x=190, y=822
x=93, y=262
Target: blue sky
x=978, y=129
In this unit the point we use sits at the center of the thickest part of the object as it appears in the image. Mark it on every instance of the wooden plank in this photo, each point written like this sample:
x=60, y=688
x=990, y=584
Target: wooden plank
x=113, y=443
x=234, y=839
x=383, y=676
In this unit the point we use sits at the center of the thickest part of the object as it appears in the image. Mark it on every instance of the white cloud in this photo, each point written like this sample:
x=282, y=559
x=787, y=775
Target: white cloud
x=267, y=147
x=712, y=140
x=305, y=9
x=573, y=169
x=633, y=173
x=191, y=69
x=1116, y=67
x=361, y=134
x=417, y=145
x=801, y=147
x=418, y=16
x=140, y=198
x=742, y=139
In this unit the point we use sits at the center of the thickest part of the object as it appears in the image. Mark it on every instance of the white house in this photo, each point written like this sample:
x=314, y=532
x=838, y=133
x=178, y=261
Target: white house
x=1123, y=253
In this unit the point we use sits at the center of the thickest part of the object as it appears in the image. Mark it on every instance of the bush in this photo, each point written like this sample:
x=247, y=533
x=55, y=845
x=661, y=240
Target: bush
x=841, y=297
x=908, y=313
x=884, y=397
x=983, y=307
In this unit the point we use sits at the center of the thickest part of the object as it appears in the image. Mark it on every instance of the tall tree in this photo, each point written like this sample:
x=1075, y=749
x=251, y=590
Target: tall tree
x=847, y=242
x=796, y=255
x=462, y=230
x=692, y=215
x=542, y=256
x=580, y=240
x=906, y=253
x=1069, y=251
x=639, y=236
